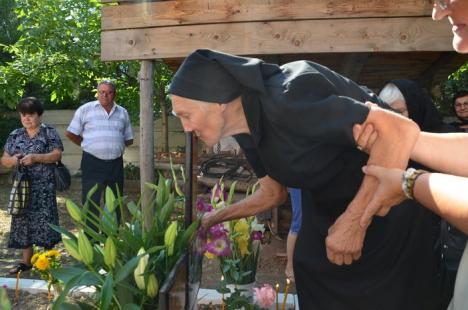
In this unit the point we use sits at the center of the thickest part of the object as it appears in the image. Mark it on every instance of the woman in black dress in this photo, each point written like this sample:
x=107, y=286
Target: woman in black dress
x=299, y=118
x=37, y=147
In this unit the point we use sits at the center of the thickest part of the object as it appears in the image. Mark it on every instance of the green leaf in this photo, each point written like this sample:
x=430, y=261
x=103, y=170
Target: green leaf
x=188, y=233
x=231, y=192
x=167, y=210
x=128, y=268
x=107, y=292
x=63, y=231
x=130, y=307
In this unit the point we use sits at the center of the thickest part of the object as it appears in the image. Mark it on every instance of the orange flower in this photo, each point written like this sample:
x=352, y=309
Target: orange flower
x=53, y=253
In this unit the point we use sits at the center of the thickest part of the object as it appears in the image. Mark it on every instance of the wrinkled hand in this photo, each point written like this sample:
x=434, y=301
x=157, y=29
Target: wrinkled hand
x=28, y=160
x=389, y=192
x=208, y=219
x=345, y=239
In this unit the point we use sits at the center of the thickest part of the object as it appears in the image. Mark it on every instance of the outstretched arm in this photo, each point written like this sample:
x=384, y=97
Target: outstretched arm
x=441, y=193
x=446, y=153
x=269, y=195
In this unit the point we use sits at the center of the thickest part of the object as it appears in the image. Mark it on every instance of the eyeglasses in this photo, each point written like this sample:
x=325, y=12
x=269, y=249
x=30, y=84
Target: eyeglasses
x=459, y=105
x=442, y=4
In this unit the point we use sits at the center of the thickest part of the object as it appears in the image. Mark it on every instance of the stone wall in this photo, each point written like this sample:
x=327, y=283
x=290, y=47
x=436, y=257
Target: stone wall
x=60, y=119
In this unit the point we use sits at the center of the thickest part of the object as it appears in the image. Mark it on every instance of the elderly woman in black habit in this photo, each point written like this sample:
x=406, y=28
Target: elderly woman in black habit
x=37, y=147
x=299, y=117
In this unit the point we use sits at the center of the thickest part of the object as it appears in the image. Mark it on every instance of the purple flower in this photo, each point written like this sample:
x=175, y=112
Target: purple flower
x=217, y=231
x=257, y=235
x=200, y=241
x=219, y=247
x=5, y=286
x=202, y=206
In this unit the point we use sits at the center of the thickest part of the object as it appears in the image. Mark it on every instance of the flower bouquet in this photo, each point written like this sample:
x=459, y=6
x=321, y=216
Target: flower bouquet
x=43, y=263
x=235, y=243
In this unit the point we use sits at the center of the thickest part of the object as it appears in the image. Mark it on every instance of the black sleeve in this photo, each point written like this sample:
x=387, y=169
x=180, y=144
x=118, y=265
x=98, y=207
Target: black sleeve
x=250, y=151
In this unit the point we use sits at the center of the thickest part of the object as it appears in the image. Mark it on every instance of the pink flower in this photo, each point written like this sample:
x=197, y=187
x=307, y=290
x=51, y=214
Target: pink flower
x=219, y=247
x=265, y=296
x=256, y=235
x=218, y=194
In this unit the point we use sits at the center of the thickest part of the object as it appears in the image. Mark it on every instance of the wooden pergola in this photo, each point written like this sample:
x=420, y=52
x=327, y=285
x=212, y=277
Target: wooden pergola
x=368, y=41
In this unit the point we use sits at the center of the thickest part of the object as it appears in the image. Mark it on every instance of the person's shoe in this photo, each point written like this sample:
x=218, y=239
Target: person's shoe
x=20, y=267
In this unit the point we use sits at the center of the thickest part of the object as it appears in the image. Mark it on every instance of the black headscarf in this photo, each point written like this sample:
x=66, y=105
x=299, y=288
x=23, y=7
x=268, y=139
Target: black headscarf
x=213, y=76
x=421, y=109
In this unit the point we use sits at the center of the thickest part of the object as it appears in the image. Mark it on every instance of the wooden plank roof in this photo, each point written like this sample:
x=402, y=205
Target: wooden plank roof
x=169, y=29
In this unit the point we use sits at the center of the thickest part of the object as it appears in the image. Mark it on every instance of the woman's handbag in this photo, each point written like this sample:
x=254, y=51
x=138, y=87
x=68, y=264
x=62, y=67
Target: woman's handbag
x=62, y=174
x=62, y=177
x=18, y=203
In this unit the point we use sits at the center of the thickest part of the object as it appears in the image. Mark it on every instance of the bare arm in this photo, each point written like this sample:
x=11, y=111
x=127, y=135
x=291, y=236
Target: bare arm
x=443, y=194
x=446, y=153
x=8, y=161
x=269, y=195
x=74, y=138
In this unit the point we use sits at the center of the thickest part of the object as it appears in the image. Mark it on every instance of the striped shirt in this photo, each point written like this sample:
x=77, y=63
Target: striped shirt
x=103, y=134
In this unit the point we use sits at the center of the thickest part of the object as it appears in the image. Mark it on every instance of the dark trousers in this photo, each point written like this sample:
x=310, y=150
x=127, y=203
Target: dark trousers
x=103, y=173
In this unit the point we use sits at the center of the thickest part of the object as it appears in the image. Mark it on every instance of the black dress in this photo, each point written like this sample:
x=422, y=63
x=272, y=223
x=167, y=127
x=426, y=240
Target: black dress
x=33, y=227
x=302, y=129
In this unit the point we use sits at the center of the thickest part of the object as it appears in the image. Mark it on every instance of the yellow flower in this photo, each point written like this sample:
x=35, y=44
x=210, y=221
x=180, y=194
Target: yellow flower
x=242, y=240
x=209, y=255
x=42, y=262
x=53, y=253
x=34, y=258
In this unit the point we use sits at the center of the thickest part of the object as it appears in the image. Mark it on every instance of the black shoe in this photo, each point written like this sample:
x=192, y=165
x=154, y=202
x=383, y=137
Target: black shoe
x=20, y=267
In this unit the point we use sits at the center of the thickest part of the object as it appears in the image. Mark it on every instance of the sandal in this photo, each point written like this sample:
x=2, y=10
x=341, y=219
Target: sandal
x=20, y=267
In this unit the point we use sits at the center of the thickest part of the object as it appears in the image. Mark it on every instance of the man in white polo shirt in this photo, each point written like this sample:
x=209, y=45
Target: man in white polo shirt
x=102, y=129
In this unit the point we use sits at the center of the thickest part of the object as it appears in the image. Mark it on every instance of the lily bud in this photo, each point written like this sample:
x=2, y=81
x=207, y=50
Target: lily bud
x=170, y=236
x=153, y=286
x=85, y=248
x=138, y=274
x=110, y=252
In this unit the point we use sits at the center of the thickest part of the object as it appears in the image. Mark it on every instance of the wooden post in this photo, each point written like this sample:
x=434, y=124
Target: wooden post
x=164, y=120
x=146, y=139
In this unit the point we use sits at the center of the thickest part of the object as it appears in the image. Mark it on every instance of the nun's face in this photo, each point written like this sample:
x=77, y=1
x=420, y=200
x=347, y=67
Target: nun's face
x=205, y=119
x=457, y=13
x=400, y=107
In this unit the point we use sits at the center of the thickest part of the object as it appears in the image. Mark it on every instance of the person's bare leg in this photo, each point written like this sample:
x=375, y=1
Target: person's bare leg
x=27, y=254
x=290, y=245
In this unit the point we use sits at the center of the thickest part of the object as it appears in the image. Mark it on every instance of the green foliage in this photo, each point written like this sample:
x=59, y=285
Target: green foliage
x=9, y=123
x=456, y=82
x=119, y=259
x=56, y=57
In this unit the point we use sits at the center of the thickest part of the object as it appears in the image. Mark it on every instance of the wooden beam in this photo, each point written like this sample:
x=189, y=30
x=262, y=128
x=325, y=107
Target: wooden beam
x=353, y=64
x=280, y=37
x=189, y=12
x=146, y=140
x=426, y=78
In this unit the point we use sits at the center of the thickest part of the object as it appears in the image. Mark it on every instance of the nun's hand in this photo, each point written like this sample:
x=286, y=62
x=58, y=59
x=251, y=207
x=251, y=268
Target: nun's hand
x=345, y=239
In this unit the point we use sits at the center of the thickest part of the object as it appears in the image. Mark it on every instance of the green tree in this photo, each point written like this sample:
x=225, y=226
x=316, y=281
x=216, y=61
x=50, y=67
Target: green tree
x=456, y=82
x=57, y=56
